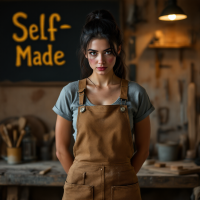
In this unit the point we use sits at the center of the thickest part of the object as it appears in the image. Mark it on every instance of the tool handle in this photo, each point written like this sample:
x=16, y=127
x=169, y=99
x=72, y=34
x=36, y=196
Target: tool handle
x=3, y=137
x=21, y=123
x=7, y=137
x=9, y=126
x=14, y=137
x=45, y=171
x=20, y=137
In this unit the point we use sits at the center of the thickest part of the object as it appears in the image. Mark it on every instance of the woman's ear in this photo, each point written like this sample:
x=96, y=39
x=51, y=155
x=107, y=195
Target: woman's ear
x=119, y=49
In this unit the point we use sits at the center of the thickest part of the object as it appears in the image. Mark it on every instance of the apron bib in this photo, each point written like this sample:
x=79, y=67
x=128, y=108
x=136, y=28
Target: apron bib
x=103, y=150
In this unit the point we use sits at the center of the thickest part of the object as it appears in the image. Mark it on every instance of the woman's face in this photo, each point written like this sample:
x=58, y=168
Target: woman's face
x=100, y=57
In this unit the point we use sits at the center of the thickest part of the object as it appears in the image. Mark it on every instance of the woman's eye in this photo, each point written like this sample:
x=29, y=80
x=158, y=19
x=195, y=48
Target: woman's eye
x=108, y=52
x=93, y=53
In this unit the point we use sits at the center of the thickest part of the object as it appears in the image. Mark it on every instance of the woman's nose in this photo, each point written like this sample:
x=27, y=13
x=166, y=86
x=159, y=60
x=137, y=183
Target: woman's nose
x=101, y=59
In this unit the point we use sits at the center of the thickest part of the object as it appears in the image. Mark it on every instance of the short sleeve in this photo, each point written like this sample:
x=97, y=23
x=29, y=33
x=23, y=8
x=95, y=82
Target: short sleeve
x=144, y=106
x=62, y=106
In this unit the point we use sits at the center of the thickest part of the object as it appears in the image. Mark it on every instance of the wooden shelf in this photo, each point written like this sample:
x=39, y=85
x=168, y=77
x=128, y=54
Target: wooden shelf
x=169, y=46
x=33, y=84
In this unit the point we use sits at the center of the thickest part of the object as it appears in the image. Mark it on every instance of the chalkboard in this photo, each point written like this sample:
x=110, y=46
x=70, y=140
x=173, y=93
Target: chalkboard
x=39, y=40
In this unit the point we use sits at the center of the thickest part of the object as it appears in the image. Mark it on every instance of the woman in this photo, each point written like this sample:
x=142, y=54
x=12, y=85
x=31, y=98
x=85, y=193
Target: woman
x=105, y=165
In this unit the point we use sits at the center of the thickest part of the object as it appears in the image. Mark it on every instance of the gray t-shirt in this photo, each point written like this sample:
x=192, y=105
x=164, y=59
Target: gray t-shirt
x=138, y=103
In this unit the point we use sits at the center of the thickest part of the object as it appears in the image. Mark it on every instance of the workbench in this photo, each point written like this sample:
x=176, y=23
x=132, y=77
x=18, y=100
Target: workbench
x=27, y=174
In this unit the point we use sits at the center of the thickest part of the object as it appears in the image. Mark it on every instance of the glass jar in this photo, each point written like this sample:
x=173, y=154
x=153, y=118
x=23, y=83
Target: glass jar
x=28, y=145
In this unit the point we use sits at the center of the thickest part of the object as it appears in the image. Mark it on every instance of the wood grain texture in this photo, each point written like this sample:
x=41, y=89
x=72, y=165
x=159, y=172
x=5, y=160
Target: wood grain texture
x=12, y=193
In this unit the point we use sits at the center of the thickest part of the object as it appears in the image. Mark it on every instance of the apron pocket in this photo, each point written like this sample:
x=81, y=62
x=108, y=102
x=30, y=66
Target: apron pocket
x=77, y=192
x=130, y=192
x=76, y=177
x=127, y=177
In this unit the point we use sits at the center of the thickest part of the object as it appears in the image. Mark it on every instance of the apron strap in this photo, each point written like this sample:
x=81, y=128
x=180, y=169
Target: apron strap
x=124, y=89
x=82, y=87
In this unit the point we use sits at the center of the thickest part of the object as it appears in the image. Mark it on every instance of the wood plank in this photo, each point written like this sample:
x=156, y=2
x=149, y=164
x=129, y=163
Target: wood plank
x=153, y=180
x=26, y=174
x=12, y=193
x=24, y=194
x=167, y=169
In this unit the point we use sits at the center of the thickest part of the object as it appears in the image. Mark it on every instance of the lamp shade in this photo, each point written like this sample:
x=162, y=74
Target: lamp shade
x=172, y=12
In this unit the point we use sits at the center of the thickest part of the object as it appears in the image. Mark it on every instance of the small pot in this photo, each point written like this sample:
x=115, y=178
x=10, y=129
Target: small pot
x=168, y=151
x=14, y=155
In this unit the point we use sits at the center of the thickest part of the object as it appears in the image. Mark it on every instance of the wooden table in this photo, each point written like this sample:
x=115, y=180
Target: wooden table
x=26, y=174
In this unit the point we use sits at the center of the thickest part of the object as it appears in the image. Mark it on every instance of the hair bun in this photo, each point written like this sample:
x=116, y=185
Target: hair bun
x=99, y=15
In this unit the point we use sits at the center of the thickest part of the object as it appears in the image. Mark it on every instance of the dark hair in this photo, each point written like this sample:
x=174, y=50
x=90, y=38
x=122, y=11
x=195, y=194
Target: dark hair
x=101, y=24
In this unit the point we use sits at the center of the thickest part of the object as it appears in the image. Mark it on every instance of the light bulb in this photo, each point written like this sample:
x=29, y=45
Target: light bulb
x=172, y=17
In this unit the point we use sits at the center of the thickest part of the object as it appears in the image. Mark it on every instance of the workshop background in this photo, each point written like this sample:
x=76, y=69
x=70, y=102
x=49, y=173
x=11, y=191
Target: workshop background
x=162, y=56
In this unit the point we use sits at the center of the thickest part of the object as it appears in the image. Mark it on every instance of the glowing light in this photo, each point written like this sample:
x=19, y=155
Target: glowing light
x=172, y=17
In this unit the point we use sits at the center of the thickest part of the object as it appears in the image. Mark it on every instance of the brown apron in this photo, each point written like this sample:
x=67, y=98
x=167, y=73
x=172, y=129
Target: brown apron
x=103, y=150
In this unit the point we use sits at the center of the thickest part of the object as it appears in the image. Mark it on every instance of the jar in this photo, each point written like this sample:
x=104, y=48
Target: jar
x=28, y=145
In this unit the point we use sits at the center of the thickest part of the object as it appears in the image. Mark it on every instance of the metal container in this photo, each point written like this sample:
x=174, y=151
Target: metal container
x=168, y=151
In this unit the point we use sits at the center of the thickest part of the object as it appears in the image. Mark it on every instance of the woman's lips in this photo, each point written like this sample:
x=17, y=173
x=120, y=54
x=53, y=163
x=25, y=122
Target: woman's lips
x=101, y=68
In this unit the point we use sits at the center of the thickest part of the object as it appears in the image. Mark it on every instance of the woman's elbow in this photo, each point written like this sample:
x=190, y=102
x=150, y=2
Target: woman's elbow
x=60, y=152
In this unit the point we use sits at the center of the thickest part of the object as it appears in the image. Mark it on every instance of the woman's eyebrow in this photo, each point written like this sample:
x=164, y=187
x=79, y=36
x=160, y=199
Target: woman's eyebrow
x=96, y=50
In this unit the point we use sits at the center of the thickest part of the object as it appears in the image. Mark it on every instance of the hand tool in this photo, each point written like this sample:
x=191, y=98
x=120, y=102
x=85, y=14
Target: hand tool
x=20, y=137
x=7, y=136
x=14, y=137
x=9, y=126
x=45, y=171
x=149, y=162
x=22, y=123
x=3, y=134
x=181, y=86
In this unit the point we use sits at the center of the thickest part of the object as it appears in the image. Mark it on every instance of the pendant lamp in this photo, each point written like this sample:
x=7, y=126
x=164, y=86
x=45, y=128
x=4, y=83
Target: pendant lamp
x=172, y=12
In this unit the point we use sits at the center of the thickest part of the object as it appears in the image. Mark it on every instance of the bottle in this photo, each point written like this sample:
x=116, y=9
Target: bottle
x=28, y=145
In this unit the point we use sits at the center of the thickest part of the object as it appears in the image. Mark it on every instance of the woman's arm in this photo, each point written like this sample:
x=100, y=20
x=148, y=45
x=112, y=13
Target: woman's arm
x=63, y=132
x=142, y=140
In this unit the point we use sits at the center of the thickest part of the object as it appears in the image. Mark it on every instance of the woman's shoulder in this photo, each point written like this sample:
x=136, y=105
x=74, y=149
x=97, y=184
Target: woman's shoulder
x=71, y=87
x=135, y=88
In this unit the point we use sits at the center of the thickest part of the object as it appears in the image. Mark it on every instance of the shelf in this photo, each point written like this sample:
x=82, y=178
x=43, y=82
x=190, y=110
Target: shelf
x=169, y=46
